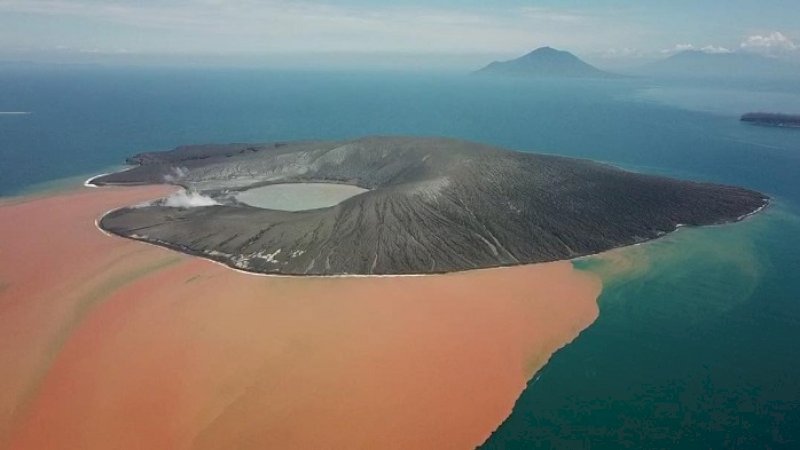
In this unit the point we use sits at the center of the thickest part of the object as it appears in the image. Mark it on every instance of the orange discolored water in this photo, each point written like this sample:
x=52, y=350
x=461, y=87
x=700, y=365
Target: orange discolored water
x=110, y=343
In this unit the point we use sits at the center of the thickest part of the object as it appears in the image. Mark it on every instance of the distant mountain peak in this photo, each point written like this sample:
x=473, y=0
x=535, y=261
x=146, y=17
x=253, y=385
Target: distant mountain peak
x=546, y=62
x=739, y=64
x=545, y=49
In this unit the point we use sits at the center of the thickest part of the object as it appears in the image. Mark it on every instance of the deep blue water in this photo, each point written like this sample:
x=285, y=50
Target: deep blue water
x=697, y=349
x=87, y=119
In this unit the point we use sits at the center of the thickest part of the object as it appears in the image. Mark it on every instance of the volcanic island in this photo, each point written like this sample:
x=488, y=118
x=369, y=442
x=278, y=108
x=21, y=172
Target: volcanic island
x=190, y=354
x=403, y=205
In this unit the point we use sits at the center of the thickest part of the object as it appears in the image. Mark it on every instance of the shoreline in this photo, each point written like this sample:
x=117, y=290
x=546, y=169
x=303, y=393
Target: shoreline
x=178, y=249
x=88, y=183
x=364, y=298
x=399, y=226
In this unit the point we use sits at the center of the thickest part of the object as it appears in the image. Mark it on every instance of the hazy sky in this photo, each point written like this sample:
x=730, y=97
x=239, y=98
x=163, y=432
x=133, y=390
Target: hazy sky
x=607, y=32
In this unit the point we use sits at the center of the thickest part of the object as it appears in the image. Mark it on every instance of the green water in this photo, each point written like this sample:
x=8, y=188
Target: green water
x=695, y=347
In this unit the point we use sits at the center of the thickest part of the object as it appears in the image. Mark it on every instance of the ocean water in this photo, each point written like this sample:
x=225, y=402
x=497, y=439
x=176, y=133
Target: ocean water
x=696, y=344
x=695, y=347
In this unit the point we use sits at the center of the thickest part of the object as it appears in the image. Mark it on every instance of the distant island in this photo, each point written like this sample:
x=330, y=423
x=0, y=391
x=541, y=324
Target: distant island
x=773, y=120
x=411, y=205
x=546, y=62
x=700, y=64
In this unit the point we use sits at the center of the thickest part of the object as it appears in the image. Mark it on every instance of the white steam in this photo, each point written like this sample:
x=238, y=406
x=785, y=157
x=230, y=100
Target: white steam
x=177, y=174
x=184, y=199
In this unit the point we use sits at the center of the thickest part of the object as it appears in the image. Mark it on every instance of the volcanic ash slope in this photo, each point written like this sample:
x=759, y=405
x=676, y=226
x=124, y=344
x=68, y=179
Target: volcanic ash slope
x=433, y=205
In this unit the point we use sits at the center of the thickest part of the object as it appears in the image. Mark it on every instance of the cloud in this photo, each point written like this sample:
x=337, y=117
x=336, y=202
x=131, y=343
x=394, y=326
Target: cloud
x=290, y=26
x=687, y=47
x=551, y=14
x=184, y=199
x=713, y=49
x=772, y=43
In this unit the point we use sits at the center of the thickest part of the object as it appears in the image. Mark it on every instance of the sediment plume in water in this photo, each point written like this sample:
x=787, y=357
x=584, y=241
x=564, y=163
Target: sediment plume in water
x=112, y=343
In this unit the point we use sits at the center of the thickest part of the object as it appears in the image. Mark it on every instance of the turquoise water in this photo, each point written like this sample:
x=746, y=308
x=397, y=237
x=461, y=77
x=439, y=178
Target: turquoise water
x=695, y=347
x=696, y=342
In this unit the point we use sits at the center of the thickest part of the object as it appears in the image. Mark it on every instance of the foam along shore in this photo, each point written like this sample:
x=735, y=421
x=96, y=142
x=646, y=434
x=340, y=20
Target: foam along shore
x=89, y=183
x=135, y=346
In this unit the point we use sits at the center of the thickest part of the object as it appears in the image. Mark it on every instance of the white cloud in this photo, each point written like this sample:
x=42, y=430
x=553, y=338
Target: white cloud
x=713, y=49
x=678, y=48
x=686, y=47
x=772, y=43
x=184, y=199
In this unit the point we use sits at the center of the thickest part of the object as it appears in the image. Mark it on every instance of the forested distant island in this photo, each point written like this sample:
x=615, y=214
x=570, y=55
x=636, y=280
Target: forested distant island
x=773, y=119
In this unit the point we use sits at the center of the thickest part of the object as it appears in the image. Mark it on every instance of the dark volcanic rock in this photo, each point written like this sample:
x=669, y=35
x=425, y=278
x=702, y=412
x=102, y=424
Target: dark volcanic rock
x=773, y=120
x=434, y=205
